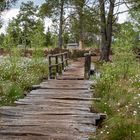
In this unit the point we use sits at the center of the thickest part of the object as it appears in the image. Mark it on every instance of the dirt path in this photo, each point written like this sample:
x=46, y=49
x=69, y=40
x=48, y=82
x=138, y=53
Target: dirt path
x=58, y=110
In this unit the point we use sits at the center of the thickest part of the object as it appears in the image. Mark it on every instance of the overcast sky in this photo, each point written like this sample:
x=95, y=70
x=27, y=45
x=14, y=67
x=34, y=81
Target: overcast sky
x=14, y=10
x=37, y=2
x=8, y=15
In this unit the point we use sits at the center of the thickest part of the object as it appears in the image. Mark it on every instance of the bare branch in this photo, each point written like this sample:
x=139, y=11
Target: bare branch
x=121, y=12
x=119, y=3
x=126, y=4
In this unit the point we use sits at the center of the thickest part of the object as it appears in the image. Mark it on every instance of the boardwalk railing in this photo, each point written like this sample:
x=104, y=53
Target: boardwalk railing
x=57, y=64
x=87, y=66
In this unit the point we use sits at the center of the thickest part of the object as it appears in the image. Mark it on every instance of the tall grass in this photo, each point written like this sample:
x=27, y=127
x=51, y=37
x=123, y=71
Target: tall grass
x=119, y=90
x=18, y=74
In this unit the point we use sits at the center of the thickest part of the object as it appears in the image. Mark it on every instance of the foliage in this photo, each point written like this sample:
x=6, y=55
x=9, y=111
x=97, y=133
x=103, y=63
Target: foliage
x=28, y=20
x=18, y=74
x=37, y=37
x=26, y=29
x=6, y=4
x=118, y=88
x=65, y=39
x=135, y=21
x=56, y=9
x=2, y=36
x=126, y=36
x=90, y=26
x=48, y=38
x=13, y=37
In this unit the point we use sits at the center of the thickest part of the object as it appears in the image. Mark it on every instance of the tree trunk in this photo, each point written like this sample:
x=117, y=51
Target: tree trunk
x=81, y=44
x=60, y=39
x=103, y=32
x=81, y=41
x=110, y=25
x=106, y=29
x=79, y=6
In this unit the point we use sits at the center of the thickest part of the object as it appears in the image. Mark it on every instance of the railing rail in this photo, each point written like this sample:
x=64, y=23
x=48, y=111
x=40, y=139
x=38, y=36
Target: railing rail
x=58, y=63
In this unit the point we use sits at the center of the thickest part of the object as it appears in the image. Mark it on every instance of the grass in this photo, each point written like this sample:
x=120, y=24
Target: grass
x=18, y=74
x=118, y=87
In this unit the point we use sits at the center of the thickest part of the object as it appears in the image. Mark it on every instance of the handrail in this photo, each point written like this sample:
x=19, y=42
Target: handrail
x=59, y=62
x=58, y=54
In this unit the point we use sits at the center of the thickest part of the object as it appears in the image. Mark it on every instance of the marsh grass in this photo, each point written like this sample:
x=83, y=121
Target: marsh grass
x=118, y=87
x=18, y=74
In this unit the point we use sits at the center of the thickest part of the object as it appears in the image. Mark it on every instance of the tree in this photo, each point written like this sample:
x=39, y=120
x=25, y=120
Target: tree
x=5, y=4
x=65, y=39
x=108, y=17
x=88, y=32
x=27, y=20
x=106, y=28
x=13, y=31
x=37, y=37
x=26, y=25
x=135, y=13
x=127, y=36
x=79, y=5
x=56, y=10
x=27, y=28
x=48, y=38
x=135, y=21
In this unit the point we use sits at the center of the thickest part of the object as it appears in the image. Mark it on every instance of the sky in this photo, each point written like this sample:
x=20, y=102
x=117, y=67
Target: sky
x=37, y=2
x=14, y=10
x=8, y=15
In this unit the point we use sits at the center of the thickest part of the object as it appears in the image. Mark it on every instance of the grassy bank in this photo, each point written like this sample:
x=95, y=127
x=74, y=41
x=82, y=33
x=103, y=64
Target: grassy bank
x=18, y=74
x=119, y=90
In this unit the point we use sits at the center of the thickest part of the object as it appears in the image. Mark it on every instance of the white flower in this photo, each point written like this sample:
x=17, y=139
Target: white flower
x=135, y=112
x=135, y=98
x=107, y=132
x=126, y=106
x=118, y=104
x=101, y=132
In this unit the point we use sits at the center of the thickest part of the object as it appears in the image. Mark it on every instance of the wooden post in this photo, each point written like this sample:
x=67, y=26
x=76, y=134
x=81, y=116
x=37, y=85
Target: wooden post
x=87, y=66
x=66, y=58
x=57, y=66
x=62, y=61
x=50, y=67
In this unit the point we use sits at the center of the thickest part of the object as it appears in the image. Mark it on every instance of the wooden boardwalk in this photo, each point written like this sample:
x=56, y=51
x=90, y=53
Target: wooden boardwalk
x=58, y=110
